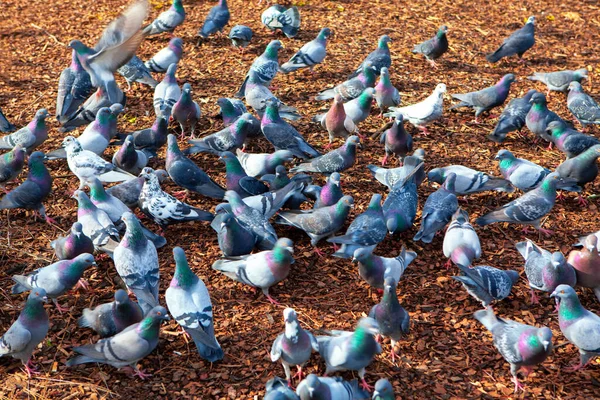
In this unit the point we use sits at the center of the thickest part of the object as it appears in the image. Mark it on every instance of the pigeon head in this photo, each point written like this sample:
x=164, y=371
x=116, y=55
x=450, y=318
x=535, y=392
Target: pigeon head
x=531, y=20
x=324, y=34
x=161, y=174
x=575, y=86
x=346, y=201
x=232, y=197
x=273, y=48
x=187, y=88
x=569, y=306
x=391, y=225
x=82, y=262
x=41, y=114
x=158, y=313
x=334, y=179
x=504, y=155
x=383, y=41
x=289, y=314
x=284, y=244
x=116, y=109
x=442, y=31
x=440, y=89
x=368, y=325
x=375, y=203
x=353, y=141
x=591, y=242
x=581, y=74
x=172, y=142
x=170, y=75
x=226, y=221
x=538, y=98
x=121, y=297
x=97, y=191
x=383, y=390
x=436, y=175
x=544, y=335
x=177, y=5
x=103, y=115
x=507, y=79
x=71, y=144
x=176, y=44
x=449, y=182
x=420, y=154
x=558, y=259
x=461, y=216
x=556, y=128
x=361, y=254
x=280, y=171
x=183, y=276
x=38, y=294
x=399, y=119
x=226, y=156
x=384, y=72
x=337, y=99
x=80, y=48
x=77, y=229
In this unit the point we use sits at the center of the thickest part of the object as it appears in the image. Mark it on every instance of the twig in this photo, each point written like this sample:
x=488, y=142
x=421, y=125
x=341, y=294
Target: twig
x=49, y=34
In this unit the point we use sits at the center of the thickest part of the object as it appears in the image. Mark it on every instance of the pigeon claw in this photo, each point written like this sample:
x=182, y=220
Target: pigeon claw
x=365, y=385
x=518, y=385
x=546, y=232
x=582, y=201
x=272, y=300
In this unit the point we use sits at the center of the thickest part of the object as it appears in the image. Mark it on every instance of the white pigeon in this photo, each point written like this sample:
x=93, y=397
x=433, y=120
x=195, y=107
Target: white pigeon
x=422, y=113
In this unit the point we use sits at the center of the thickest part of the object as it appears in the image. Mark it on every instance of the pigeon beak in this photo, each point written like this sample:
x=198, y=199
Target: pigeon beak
x=496, y=158
x=290, y=249
x=354, y=260
x=94, y=263
x=376, y=394
x=45, y=299
x=546, y=344
x=359, y=145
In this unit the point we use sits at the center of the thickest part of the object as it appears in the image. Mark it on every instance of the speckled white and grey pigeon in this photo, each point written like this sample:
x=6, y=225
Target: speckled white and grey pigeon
x=315, y=387
x=512, y=117
x=438, y=210
x=374, y=269
x=72, y=245
x=293, y=347
x=127, y=347
x=278, y=17
x=186, y=111
x=5, y=125
x=30, y=136
x=389, y=177
x=260, y=270
x=28, y=331
x=166, y=56
x=258, y=96
x=166, y=93
x=129, y=191
x=469, y=180
x=229, y=138
x=11, y=165
x=539, y=116
x=240, y=36
x=136, y=71
x=95, y=223
x=424, y=112
x=215, y=21
x=486, y=283
x=309, y=55
x=352, y=88
x=108, y=319
x=379, y=58
x=583, y=107
x=128, y=158
x=167, y=21
x=352, y=351
x=263, y=68
x=521, y=173
x=461, y=243
x=559, y=81
x=383, y=390
x=517, y=43
x=386, y=95
x=522, y=346
x=74, y=86
x=435, y=47
x=337, y=160
x=486, y=99
x=264, y=163
x=189, y=303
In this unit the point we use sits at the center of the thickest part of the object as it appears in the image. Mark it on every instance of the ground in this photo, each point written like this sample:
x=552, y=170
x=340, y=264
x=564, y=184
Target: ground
x=447, y=353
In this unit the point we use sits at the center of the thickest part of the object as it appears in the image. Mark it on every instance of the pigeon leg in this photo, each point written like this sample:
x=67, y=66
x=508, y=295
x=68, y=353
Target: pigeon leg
x=582, y=201
x=59, y=307
x=432, y=63
x=82, y=283
x=534, y=298
x=546, y=232
x=517, y=384
x=493, y=116
x=576, y=367
x=299, y=374
x=448, y=264
x=30, y=368
x=365, y=385
x=42, y=212
x=271, y=300
x=318, y=252
x=328, y=146
x=378, y=338
x=335, y=247
x=560, y=196
x=393, y=355
x=140, y=373
x=526, y=230
x=550, y=146
x=424, y=130
x=181, y=195
x=361, y=136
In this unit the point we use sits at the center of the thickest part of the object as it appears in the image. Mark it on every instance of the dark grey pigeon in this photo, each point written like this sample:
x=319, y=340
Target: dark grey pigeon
x=582, y=168
x=232, y=110
x=337, y=160
x=5, y=126
x=230, y=138
x=539, y=116
x=582, y=105
x=72, y=245
x=438, y=210
x=11, y=164
x=74, y=86
x=559, y=81
x=129, y=191
x=240, y=36
x=396, y=140
x=569, y=141
x=151, y=139
x=435, y=47
x=278, y=389
x=512, y=117
x=488, y=98
x=517, y=43
x=128, y=158
x=378, y=58
x=215, y=21
x=108, y=319
x=136, y=71
x=233, y=238
x=469, y=180
x=486, y=283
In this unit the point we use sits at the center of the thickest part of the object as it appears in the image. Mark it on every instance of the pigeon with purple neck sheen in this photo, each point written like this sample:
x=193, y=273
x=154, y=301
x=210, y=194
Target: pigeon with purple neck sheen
x=539, y=116
x=522, y=346
x=378, y=58
x=469, y=180
x=72, y=245
x=227, y=139
x=136, y=71
x=512, y=117
x=263, y=68
x=233, y=238
x=30, y=136
x=263, y=163
x=336, y=122
x=166, y=56
x=383, y=390
x=215, y=21
x=353, y=87
x=461, y=243
x=11, y=164
x=521, y=173
x=392, y=318
x=86, y=113
x=95, y=223
x=186, y=111
x=129, y=191
x=486, y=283
x=583, y=107
x=569, y=141
x=330, y=193
x=237, y=179
x=309, y=55
x=240, y=36
x=189, y=303
x=260, y=270
x=580, y=326
x=517, y=43
x=488, y=98
x=108, y=319
x=396, y=140
x=128, y=158
x=583, y=169
x=28, y=331
x=5, y=125
x=258, y=95
x=232, y=109
x=559, y=81
x=127, y=347
x=30, y=194
x=375, y=269
x=278, y=17
x=424, y=112
x=386, y=95
x=587, y=264
x=150, y=140
x=293, y=347
x=167, y=21
x=545, y=270
x=315, y=387
x=435, y=47
x=337, y=160
x=166, y=93
x=74, y=86
x=438, y=210
x=357, y=109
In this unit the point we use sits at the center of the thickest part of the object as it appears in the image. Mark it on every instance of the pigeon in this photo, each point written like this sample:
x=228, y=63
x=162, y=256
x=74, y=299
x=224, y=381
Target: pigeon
x=186, y=111
x=189, y=303
x=30, y=194
x=314, y=387
x=278, y=389
x=112, y=206
x=587, y=264
x=72, y=245
x=521, y=173
x=263, y=68
x=136, y=71
x=260, y=270
x=86, y=113
x=74, y=86
x=294, y=346
x=151, y=139
x=400, y=206
x=115, y=110
x=539, y=116
x=438, y=210
x=240, y=36
x=396, y=140
x=11, y=164
x=258, y=97
x=356, y=110
x=383, y=390
x=424, y=112
x=270, y=202
x=337, y=160
x=171, y=54
x=486, y=283
x=522, y=346
x=215, y=21
x=28, y=331
x=228, y=139
x=580, y=326
x=392, y=318
x=583, y=107
x=129, y=191
x=386, y=94
x=518, y=43
x=282, y=135
x=351, y=350
x=166, y=93
x=30, y=136
x=56, y=279
x=118, y=44
x=233, y=238
x=435, y=47
x=128, y=158
x=545, y=271
x=559, y=81
x=330, y=193
x=389, y=177
x=95, y=223
x=512, y=117
x=232, y=110
x=336, y=122
x=262, y=164
x=5, y=125
x=237, y=180
x=375, y=269
x=280, y=180
x=353, y=87
x=87, y=165
x=583, y=168
x=528, y=209
x=379, y=57
x=461, y=243
x=569, y=141
x=366, y=231
x=127, y=347
x=309, y=55
x=167, y=21
x=108, y=319
x=469, y=180
x=278, y=17
x=486, y=99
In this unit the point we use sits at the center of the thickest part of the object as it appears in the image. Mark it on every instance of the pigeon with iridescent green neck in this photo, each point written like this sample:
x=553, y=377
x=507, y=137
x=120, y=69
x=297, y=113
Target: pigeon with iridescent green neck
x=11, y=164
x=128, y=158
x=438, y=210
x=237, y=179
x=263, y=163
x=171, y=54
x=95, y=223
x=396, y=140
x=215, y=21
x=186, y=111
x=353, y=87
x=74, y=86
x=166, y=93
x=260, y=270
x=278, y=17
x=189, y=303
x=386, y=95
x=136, y=71
x=72, y=245
x=383, y=390
x=424, y=112
x=375, y=269
x=233, y=238
x=258, y=96
x=569, y=141
x=108, y=319
x=240, y=36
x=337, y=160
x=583, y=107
x=30, y=194
x=232, y=109
x=521, y=173
x=150, y=140
x=379, y=57
x=106, y=202
x=582, y=168
x=30, y=136
x=28, y=331
x=461, y=243
x=512, y=117
x=559, y=81
x=167, y=21
x=522, y=346
x=469, y=180
x=435, y=47
x=539, y=116
x=309, y=55
x=126, y=348
x=486, y=99
x=264, y=67
x=5, y=125
x=517, y=43
x=359, y=108
x=228, y=139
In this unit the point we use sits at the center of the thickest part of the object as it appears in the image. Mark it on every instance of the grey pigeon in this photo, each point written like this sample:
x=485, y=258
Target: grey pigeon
x=539, y=116
x=375, y=269
x=469, y=180
x=167, y=21
x=280, y=180
x=330, y=193
x=28, y=331
x=389, y=177
x=569, y=141
x=129, y=191
x=232, y=109
x=115, y=110
x=11, y=164
x=336, y=121
x=294, y=346
x=277, y=389
x=263, y=163
x=438, y=210
x=309, y=55
x=95, y=223
x=229, y=138
x=269, y=203
x=424, y=112
x=583, y=107
x=435, y=47
x=383, y=390
x=136, y=71
x=258, y=96
x=512, y=117
x=215, y=21
x=559, y=81
x=461, y=243
x=337, y=160
x=189, y=303
x=522, y=346
x=151, y=139
x=236, y=178
x=396, y=140
x=314, y=387
x=278, y=17
x=379, y=57
x=30, y=136
x=5, y=125
x=357, y=110
x=583, y=168
x=260, y=270
x=353, y=87
x=166, y=93
x=233, y=238
x=127, y=347
x=171, y=54
x=488, y=98
x=86, y=113
x=240, y=36
x=186, y=111
x=517, y=43
x=108, y=319
x=74, y=86
x=72, y=245
x=587, y=264
x=263, y=68
x=386, y=95
x=486, y=283
x=128, y=158
x=521, y=173
x=400, y=206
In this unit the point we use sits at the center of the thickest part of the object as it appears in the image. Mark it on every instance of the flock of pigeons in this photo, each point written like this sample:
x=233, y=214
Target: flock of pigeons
x=259, y=190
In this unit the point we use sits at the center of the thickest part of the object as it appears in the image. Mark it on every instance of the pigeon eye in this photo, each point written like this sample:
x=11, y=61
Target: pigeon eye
x=562, y=292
